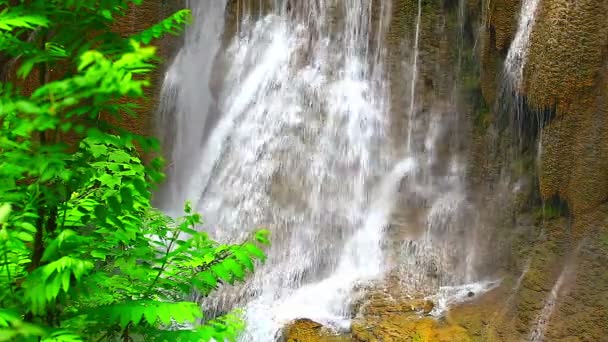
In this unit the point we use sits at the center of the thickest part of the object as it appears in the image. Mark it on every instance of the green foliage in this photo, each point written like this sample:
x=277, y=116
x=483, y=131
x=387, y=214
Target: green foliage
x=83, y=253
x=604, y=240
x=547, y=211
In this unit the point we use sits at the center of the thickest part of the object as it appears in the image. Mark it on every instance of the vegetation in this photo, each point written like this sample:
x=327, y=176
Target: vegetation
x=83, y=253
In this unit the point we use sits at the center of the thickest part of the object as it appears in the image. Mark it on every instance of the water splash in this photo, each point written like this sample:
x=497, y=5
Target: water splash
x=327, y=301
x=442, y=259
x=452, y=295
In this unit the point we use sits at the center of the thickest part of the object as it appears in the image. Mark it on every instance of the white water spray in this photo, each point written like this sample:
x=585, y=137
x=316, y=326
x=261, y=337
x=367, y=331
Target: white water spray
x=298, y=145
x=293, y=137
x=327, y=301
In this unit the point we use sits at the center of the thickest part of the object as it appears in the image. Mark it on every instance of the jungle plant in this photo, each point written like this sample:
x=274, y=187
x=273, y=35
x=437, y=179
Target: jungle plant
x=83, y=253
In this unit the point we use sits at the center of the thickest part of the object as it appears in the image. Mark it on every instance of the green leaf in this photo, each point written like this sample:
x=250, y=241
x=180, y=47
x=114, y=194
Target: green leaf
x=10, y=20
x=119, y=156
x=109, y=180
x=254, y=250
x=114, y=204
x=97, y=150
x=263, y=236
x=244, y=259
x=62, y=335
x=126, y=197
x=235, y=268
x=5, y=211
x=222, y=273
x=26, y=237
x=208, y=278
x=101, y=212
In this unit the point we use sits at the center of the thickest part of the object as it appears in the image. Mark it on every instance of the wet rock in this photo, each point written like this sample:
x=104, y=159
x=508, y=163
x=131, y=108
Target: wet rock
x=386, y=315
x=306, y=330
x=428, y=307
x=396, y=328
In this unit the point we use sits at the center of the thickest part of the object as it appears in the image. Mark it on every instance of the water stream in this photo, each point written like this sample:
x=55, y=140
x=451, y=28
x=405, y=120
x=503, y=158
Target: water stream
x=518, y=51
x=414, y=79
x=568, y=273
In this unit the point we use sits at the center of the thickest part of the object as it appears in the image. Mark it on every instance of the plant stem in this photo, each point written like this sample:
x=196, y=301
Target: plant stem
x=165, y=261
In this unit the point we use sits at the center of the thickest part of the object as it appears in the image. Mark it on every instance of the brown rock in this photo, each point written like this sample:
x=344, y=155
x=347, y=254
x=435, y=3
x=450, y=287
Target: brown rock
x=306, y=330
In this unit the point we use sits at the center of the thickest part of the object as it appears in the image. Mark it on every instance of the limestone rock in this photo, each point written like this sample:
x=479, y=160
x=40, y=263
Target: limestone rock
x=306, y=330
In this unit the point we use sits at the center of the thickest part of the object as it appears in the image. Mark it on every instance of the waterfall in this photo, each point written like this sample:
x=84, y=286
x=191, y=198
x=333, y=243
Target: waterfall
x=414, y=78
x=187, y=105
x=518, y=51
x=327, y=301
x=292, y=138
x=283, y=123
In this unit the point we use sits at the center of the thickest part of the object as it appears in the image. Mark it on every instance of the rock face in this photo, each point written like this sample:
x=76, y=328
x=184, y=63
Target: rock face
x=565, y=73
x=385, y=317
x=381, y=318
x=305, y=330
x=575, y=159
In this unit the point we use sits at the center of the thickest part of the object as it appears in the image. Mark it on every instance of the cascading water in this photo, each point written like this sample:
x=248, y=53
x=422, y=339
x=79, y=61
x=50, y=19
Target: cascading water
x=441, y=261
x=518, y=51
x=414, y=78
x=187, y=107
x=298, y=146
x=511, y=100
x=294, y=137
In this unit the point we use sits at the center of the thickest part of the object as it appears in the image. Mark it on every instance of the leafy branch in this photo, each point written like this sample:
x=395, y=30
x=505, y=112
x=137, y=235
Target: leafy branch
x=83, y=253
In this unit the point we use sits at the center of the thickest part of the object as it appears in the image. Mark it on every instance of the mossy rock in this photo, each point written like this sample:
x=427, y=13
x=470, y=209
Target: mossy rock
x=306, y=330
x=397, y=328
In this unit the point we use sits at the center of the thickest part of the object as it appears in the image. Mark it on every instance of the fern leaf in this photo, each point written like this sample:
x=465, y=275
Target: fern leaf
x=172, y=25
x=148, y=310
x=17, y=18
x=62, y=335
x=254, y=250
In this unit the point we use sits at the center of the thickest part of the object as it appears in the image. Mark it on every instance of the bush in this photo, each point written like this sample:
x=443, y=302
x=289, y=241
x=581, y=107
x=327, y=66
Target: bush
x=83, y=254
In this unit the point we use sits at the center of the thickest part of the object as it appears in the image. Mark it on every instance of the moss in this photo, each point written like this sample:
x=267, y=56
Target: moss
x=547, y=212
x=567, y=50
x=575, y=156
x=397, y=328
x=502, y=18
x=603, y=240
